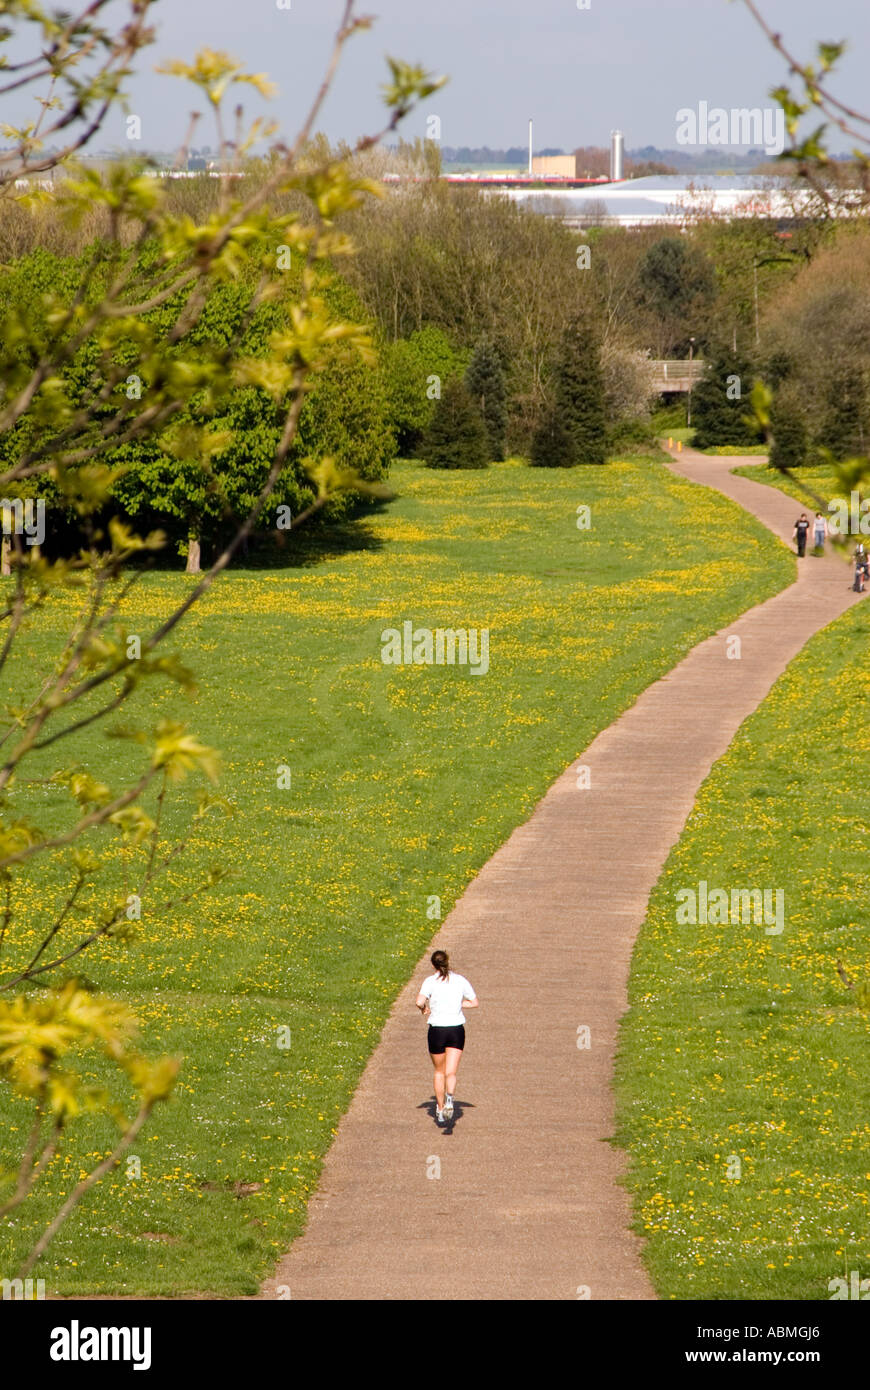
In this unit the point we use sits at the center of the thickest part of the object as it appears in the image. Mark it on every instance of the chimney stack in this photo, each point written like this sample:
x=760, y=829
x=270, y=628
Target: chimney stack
x=617, y=146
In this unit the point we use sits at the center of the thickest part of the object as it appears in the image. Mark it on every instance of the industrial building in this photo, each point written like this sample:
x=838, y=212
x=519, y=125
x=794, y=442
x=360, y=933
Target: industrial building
x=554, y=166
x=669, y=199
x=567, y=166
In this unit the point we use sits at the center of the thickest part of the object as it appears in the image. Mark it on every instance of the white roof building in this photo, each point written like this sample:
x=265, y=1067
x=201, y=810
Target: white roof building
x=672, y=199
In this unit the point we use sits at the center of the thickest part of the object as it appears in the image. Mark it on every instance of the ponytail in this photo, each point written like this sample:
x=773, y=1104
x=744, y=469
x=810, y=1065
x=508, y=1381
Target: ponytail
x=441, y=961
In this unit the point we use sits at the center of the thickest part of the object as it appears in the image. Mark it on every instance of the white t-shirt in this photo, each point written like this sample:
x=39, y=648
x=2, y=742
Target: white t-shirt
x=445, y=999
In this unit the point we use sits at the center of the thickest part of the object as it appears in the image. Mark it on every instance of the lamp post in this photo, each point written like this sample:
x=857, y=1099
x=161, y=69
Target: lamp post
x=689, y=403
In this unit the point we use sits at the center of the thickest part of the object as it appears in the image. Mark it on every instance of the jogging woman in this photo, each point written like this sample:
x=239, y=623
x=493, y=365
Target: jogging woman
x=444, y=995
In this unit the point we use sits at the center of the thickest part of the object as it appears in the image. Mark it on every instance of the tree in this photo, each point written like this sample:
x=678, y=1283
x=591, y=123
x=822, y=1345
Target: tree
x=552, y=445
x=816, y=337
x=754, y=259
x=486, y=385
x=846, y=420
x=81, y=872
x=473, y=266
x=593, y=161
x=344, y=417
x=720, y=402
x=838, y=187
x=457, y=435
x=789, y=440
x=345, y=414
x=75, y=95
x=629, y=387
x=573, y=429
x=677, y=286
x=414, y=369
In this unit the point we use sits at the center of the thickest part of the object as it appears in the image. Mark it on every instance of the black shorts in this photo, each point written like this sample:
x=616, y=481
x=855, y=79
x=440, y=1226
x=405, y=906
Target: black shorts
x=441, y=1038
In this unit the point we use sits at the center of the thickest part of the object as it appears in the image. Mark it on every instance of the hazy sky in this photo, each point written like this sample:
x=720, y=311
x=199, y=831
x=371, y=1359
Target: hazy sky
x=621, y=63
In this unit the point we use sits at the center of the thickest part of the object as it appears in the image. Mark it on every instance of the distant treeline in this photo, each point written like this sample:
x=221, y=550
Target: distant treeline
x=459, y=286
x=678, y=161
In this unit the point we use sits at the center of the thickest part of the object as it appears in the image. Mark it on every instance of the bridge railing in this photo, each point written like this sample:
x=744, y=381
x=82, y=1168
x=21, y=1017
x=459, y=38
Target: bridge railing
x=677, y=374
x=678, y=367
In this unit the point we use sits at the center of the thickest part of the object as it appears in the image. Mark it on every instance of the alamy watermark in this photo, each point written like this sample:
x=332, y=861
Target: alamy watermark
x=441, y=646
x=740, y=906
x=857, y=1289
x=19, y=519
x=849, y=517
x=22, y=1290
x=77, y=1343
x=757, y=127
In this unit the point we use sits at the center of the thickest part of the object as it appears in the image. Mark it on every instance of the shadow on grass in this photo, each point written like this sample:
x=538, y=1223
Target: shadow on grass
x=315, y=543
x=315, y=546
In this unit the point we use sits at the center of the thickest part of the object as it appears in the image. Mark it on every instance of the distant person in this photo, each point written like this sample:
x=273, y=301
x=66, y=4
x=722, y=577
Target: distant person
x=801, y=527
x=444, y=994
x=862, y=568
x=820, y=531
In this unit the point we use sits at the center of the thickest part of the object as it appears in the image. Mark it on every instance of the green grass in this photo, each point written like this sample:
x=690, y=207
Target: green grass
x=668, y=418
x=747, y=1044
x=719, y=450
x=808, y=483
x=737, y=451
x=815, y=487
x=405, y=780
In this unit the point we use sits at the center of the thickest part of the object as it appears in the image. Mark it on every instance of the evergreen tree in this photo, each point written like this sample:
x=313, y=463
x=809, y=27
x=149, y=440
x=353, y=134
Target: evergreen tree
x=844, y=429
x=573, y=429
x=790, y=440
x=485, y=380
x=721, y=400
x=552, y=446
x=457, y=436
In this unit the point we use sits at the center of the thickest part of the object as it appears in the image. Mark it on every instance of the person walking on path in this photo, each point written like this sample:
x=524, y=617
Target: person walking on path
x=820, y=531
x=444, y=995
x=801, y=527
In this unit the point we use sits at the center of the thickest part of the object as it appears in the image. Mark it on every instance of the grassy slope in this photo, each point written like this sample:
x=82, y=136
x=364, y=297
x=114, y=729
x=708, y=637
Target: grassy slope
x=820, y=480
x=404, y=781
x=747, y=1044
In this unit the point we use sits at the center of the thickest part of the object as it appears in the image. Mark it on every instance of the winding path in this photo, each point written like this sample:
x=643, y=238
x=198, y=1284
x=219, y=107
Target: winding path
x=528, y=1203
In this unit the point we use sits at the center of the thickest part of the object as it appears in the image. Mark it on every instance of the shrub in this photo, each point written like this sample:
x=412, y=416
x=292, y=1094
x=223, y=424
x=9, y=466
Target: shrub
x=631, y=435
x=408, y=366
x=457, y=436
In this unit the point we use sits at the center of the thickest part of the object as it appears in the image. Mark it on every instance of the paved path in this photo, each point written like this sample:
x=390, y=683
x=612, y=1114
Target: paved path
x=527, y=1205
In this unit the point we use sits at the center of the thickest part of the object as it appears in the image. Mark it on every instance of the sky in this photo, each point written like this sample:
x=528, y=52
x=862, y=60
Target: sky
x=627, y=64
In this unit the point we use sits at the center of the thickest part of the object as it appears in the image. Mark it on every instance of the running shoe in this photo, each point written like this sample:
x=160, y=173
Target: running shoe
x=439, y=1116
x=448, y=1108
